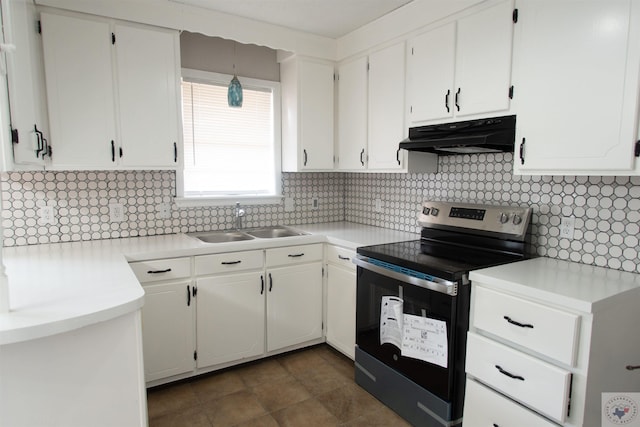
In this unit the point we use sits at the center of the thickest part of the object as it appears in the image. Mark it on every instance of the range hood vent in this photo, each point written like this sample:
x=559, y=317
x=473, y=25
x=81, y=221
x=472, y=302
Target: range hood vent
x=494, y=135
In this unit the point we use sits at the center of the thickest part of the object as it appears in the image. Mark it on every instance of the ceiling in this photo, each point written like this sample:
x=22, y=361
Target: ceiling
x=328, y=18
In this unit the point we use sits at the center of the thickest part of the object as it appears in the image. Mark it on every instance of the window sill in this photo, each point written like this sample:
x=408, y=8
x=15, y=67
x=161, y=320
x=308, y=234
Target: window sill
x=188, y=202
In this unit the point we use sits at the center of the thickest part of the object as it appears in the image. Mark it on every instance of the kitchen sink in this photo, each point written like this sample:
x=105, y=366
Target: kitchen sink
x=274, y=232
x=221, y=236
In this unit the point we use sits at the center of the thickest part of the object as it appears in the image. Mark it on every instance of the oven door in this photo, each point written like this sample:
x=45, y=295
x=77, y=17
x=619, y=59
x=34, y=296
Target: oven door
x=436, y=301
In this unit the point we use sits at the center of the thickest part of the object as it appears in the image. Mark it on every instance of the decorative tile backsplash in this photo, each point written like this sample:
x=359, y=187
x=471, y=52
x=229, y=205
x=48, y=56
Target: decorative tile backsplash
x=80, y=202
x=607, y=209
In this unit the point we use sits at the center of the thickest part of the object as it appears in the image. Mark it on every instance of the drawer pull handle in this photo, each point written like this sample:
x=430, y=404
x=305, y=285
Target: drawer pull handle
x=158, y=271
x=230, y=262
x=295, y=255
x=509, y=374
x=344, y=258
x=513, y=322
x=632, y=367
x=262, y=287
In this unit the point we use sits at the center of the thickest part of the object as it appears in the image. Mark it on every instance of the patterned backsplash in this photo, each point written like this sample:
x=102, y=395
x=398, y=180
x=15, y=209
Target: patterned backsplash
x=606, y=209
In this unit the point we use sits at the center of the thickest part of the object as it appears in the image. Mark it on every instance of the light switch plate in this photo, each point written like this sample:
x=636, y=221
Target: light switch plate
x=47, y=215
x=289, y=205
x=378, y=206
x=164, y=210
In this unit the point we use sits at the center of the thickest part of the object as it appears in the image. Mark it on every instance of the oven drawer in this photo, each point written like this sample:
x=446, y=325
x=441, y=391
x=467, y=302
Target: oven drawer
x=535, y=383
x=543, y=329
x=485, y=407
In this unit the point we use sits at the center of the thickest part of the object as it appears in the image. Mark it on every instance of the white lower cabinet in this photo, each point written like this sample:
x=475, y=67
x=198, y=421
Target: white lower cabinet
x=294, y=296
x=168, y=330
x=235, y=307
x=341, y=300
x=546, y=339
x=230, y=318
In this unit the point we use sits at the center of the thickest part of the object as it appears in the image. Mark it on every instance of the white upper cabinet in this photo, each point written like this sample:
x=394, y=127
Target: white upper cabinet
x=25, y=78
x=307, y=114
x=148, y=95
x=352, y=115
x=462, y=69
x=371, y=124
x=576, y=68
x=386, y=108
x=112, y=93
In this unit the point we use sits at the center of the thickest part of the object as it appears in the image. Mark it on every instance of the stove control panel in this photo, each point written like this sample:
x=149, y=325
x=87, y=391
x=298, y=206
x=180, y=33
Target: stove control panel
x=504, y=221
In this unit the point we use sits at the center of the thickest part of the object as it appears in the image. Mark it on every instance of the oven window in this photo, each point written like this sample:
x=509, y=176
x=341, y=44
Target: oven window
x=371, y=289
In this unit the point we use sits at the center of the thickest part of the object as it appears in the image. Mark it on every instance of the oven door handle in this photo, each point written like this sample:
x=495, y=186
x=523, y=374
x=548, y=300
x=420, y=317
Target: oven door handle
x=445, y=287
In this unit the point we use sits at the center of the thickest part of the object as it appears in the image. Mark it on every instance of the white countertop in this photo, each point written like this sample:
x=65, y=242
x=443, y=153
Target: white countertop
x=576, y=286
x=59, y=287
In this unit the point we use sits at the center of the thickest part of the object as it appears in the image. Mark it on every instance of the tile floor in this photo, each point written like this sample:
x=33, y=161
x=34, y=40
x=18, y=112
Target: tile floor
x=313, y=387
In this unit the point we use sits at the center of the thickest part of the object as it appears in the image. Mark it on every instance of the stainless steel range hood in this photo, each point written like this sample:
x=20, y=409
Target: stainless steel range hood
x=492, y=135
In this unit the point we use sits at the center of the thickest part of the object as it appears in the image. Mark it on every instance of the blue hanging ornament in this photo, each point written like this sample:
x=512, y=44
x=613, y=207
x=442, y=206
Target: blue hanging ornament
x=234, y=94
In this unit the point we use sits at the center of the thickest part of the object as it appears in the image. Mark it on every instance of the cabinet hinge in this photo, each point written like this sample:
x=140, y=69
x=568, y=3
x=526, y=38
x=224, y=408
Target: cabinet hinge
x=411, y=109
x=411, y=51
x=515, y=16
x=113, y=38
x=511, y=92
x=195, y=355
x=39, y=27
x=637, y=151
x=368, y=66
x=14, y=136
x=322, y=271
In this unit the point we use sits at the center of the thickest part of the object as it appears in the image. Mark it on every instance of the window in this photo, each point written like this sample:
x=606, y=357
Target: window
x=230, y=152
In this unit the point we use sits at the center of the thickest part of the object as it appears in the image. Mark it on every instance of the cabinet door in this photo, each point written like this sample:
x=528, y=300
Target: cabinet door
x=25, y=79
x=352, y=115
x=77, y=58
x=386, y=107
x=576, y=67
x=167, y=330
x=341, y=309
x=483, y=61
x=294, y=305
x=316, y=115
x=146, y=72
x=230, y=317
x=430, y=75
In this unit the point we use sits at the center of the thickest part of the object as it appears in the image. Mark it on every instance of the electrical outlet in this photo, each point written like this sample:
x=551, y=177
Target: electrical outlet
x=47, y=215
x=378, y=206
x=567, y=227
x=289, y=205
x=116, y=212
x=314, y=204
x=164, y=210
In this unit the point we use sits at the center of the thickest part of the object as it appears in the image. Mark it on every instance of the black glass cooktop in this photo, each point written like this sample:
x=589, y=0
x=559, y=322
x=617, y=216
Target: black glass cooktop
x=437, y=259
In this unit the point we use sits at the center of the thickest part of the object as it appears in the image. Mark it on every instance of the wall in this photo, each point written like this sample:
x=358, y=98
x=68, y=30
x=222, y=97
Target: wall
x=81, y=203
x=607, y=209
x=217, y=55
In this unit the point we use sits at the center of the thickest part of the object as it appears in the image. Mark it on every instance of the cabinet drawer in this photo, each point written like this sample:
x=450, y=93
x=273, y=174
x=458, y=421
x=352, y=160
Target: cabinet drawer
x=230, y=261
x=341, y=256
x=161, y=269
x=485, y=407
x=537, y=384
x=294, y=255
x=543, y=329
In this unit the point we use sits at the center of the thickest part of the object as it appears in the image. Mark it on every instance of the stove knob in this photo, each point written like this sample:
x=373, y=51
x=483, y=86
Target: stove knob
x=517, y=219
x=504, y=217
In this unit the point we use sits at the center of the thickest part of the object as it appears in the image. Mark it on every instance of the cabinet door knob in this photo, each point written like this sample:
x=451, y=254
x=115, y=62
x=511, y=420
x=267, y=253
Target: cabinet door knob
x=158, y=271
x=398, y=157
x=295, y=255
x=304, y=152
x=632, y=367
x=362, y=157
x=457, y=99
x=113, y=151
x=188, y=296
x=270, y=282
x=261, y=284
x=230, y=262
x=522, y=151
x=344, y=258
x=175, y=152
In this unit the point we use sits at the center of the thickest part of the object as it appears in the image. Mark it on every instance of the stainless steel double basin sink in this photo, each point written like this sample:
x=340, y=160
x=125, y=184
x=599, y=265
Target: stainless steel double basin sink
x=248, y=234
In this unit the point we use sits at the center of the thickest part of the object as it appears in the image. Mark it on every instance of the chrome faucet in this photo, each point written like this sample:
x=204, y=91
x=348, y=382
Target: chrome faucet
x=239, y=214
